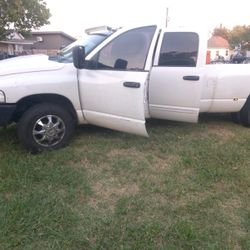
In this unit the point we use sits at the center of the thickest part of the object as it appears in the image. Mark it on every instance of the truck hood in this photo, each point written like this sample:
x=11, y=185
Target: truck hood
x=27, y=64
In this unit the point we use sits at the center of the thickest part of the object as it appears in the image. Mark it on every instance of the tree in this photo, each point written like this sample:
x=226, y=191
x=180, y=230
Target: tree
x=223, y=32
x=240, y=35
x=22, y=16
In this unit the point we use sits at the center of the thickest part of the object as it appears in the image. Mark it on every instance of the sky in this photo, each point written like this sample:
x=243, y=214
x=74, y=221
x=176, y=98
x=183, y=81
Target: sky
x=74, y=16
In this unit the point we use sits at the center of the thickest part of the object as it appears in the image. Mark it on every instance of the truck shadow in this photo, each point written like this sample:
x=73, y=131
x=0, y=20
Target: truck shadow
x=8, y=136
x=204, y=119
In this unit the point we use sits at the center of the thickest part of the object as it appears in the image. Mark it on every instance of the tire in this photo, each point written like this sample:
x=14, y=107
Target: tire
x=245, y=114
x=236, y=117
x=45, y=126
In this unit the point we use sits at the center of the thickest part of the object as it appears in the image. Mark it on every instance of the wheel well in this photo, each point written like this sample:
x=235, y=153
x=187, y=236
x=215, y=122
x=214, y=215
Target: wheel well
x=245, y=106
x=29, y=101
x=244, y=113
x=247, y=101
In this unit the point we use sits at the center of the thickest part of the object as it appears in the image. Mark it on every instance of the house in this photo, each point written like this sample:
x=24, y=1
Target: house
x=218, y=47
x=13, y=45
x=49, y=42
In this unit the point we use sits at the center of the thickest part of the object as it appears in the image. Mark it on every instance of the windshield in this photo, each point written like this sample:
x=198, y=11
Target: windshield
x=89, y=42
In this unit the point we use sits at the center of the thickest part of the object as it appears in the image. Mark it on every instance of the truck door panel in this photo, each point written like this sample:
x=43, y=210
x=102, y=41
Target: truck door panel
x=175, y=81
x=113, y=91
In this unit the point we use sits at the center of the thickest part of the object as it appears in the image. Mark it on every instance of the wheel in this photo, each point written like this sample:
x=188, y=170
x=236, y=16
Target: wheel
x=236, y=117
x=45, y=126
x=245, y=114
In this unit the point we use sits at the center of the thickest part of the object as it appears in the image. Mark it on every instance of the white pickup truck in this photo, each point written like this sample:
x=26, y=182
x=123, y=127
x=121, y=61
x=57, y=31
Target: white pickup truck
x=116, y=79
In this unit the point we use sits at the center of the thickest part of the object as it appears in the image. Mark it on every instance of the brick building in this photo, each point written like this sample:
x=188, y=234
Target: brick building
x=49, y=42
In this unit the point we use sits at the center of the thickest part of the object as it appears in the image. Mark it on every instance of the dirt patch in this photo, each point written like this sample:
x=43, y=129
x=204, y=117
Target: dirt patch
x=221, y=133
x=114, y=153
x=108, y=192
x=196, y=196
x=161, y=165
x=229, y=209
x=156, y=162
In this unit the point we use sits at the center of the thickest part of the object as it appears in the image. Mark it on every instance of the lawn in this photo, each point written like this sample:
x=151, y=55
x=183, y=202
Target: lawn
x=187, y=186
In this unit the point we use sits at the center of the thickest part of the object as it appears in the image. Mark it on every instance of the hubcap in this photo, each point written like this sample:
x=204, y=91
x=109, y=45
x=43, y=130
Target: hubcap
x=49, y=130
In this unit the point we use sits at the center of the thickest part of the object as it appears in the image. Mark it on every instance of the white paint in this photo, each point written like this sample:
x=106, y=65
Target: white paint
x=106, y=102
x=26, y=64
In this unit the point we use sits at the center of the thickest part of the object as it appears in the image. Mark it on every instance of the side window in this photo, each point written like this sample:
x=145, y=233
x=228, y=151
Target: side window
x=128, y=51
x=179, y=49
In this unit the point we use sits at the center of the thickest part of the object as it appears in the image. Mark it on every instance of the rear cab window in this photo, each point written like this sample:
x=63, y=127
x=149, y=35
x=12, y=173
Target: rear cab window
x=179, y=49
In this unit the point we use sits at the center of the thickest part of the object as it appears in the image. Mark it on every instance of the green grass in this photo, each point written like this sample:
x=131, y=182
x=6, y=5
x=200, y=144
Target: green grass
x=187, y=186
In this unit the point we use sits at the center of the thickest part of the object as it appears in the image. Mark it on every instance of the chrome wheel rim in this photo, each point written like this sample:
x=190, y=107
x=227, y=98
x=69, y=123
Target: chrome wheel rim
x=49, y=130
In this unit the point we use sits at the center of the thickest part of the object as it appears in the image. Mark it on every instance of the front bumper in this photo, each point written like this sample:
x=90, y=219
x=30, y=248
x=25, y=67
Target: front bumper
x=6, y=113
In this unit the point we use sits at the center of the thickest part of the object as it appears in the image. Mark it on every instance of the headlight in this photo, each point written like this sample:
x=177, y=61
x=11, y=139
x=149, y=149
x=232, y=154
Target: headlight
x=2, y=97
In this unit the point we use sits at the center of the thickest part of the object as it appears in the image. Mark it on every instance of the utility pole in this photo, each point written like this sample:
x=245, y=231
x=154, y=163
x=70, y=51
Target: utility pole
x=167, y=18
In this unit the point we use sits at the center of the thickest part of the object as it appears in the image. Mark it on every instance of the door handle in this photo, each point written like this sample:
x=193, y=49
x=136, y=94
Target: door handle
x=191, y=78
x=134, y=85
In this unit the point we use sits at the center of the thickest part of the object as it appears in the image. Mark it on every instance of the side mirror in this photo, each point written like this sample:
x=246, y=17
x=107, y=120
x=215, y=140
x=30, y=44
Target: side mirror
x=79, y=57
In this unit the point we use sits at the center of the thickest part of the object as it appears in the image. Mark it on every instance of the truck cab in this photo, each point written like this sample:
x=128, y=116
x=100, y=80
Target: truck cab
x=137, y=73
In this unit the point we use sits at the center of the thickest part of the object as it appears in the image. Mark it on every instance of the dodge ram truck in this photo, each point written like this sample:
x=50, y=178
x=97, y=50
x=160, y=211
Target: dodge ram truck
x=117, y=79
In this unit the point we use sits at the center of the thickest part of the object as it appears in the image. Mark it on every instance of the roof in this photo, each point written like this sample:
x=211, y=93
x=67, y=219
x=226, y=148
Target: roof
x=18, y=41
x=218, y=42
x=16, y=38
x=40, y=33
x=14, y=35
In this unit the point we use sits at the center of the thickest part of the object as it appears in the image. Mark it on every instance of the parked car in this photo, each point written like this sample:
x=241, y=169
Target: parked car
x=238, y=58
x=247, y=60
x=117, y=79
x=3, y=55
x=219, y=60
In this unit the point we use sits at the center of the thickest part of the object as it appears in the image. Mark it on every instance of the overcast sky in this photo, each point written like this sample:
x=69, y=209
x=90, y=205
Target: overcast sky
x=73, y=16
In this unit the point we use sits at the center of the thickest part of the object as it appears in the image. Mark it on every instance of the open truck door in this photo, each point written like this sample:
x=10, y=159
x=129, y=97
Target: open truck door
x=113, y=81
